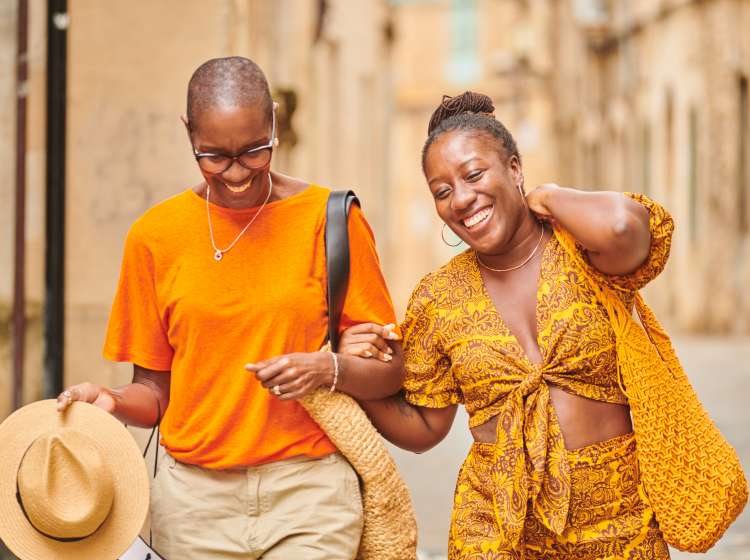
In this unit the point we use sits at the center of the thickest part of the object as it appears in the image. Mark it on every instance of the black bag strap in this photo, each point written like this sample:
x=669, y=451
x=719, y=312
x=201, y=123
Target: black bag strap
x=337, y=257
x=154, y=431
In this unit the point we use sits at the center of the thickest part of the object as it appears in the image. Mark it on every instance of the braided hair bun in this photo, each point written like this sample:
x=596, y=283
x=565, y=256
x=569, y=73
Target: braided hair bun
x=467, y=102
x=468, y=111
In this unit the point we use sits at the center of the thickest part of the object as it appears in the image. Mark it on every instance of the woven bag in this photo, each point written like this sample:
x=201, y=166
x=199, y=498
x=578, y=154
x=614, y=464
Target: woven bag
x=390, y=530
x=691, y=474
x=390, y=526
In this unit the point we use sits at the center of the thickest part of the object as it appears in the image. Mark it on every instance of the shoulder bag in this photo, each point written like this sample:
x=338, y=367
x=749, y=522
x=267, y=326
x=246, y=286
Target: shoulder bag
x=390, y=527
x=691, y=474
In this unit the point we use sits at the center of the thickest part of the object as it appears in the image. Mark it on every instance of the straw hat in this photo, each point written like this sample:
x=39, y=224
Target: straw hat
x=72, y=485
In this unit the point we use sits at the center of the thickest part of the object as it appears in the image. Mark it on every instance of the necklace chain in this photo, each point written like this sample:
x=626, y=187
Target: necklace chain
x=531, y=255
x=219, y=253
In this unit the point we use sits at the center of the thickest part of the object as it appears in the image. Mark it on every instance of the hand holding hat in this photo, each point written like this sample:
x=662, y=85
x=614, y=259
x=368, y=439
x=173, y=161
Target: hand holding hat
x=73, y=485
x=89, y=393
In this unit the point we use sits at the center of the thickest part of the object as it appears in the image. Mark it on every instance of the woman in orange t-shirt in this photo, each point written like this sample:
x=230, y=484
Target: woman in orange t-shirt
x=221, y=309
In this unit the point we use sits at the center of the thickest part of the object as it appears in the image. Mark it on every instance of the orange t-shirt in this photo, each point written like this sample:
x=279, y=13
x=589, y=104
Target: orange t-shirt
x=177, y=309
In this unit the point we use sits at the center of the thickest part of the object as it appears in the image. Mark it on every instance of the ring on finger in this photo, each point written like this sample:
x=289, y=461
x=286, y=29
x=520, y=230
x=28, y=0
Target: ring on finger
x=276, y=390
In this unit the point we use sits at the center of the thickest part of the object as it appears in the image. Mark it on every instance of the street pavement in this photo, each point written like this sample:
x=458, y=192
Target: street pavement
x=719, y=369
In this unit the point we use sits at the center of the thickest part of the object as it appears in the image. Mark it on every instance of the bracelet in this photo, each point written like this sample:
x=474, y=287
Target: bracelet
x=335, y=370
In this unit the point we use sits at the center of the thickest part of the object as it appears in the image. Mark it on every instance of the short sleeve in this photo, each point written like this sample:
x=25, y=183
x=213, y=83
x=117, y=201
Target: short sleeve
x=367, y=298
x=137, y=333
x=429, y=380
x=661, y=226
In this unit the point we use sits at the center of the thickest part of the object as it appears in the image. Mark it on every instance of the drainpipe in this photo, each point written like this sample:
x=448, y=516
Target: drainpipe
x=19, y=253
x=54, y=303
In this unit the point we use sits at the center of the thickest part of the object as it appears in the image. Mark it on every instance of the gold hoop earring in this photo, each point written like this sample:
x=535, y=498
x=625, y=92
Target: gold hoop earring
x=520, y=188
x=442, y=234
x=522, y=192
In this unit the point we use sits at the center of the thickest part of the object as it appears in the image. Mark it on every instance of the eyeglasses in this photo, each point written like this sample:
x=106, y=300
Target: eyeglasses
x=254, y=158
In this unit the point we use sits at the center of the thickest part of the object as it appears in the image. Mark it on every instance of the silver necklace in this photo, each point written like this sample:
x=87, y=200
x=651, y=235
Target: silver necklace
x=219, y=253
x=531, y=255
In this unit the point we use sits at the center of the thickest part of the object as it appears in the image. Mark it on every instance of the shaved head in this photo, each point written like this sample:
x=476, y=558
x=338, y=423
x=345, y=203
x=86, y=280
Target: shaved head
x=226, y=83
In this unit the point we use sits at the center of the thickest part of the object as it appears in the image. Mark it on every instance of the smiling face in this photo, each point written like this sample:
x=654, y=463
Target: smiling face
x=232, y=130
x=476, y=188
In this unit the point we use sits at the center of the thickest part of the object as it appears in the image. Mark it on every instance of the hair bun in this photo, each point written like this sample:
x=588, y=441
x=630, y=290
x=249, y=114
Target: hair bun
x=467, y=102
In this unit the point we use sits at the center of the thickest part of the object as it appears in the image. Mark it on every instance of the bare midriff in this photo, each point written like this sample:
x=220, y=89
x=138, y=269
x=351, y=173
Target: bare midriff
x=583, y=421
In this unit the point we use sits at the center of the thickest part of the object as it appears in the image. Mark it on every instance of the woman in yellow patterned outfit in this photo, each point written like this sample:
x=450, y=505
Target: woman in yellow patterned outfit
x=511, y=330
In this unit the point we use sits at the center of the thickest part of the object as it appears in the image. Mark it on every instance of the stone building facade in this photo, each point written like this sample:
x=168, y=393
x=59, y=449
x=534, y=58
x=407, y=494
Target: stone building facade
x=641, y=95
x=128, y=67
x=646, y=95
x=497, y=47
x=652, y=96
x=35, y=194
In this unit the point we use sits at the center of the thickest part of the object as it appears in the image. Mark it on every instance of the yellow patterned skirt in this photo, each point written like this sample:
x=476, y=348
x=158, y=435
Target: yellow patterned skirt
x=609, y=516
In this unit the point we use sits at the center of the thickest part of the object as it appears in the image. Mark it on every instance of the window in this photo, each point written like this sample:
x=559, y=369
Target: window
x=463, y=64
x=669, y=144
x=645, y=187
x=693, y=172
x=742, y=159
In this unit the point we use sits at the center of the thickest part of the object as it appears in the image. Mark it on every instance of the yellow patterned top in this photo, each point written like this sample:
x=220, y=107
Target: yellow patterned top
x=458, y=350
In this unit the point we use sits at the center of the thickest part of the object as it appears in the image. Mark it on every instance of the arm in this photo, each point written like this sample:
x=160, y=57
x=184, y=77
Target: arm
x=363, y=378
x=299, y=374
x=367, y=299
x=134, y=404
x=613, y=228
x=414, y=428
x=369, y=340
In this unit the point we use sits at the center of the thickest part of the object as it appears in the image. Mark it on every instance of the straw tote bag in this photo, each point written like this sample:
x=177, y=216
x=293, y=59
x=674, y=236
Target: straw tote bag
x=691, y=474
x=390, y=527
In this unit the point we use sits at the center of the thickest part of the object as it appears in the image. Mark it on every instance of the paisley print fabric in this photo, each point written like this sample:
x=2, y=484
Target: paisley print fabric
x=458, y=350
x=609, y=516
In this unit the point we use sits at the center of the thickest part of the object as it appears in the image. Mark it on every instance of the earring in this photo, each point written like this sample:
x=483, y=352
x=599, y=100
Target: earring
x=522, y=192
x=520, y=188
x=442, y=234
x=276, y=142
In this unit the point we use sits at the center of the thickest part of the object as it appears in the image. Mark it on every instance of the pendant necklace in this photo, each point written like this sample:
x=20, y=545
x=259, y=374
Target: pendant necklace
x=219, y=253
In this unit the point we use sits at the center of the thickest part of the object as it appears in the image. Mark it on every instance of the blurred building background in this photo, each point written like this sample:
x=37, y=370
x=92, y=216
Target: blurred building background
x=653, y=96
x=642, y=95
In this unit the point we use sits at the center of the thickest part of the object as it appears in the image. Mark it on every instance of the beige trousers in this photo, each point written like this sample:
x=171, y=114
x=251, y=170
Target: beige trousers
x=298, y=509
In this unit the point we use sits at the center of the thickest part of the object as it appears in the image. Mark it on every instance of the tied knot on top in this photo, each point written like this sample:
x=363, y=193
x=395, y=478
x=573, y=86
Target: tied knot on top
x=530, y=464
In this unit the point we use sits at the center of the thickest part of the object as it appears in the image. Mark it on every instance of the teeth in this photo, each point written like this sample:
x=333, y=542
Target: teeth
x=241, y=188
x=480, y=216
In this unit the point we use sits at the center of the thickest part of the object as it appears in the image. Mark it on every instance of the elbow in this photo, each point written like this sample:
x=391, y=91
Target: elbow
x=425, y=441
x=426, y=444
x=419, y=447
x=629, y=223
x=622, y=227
